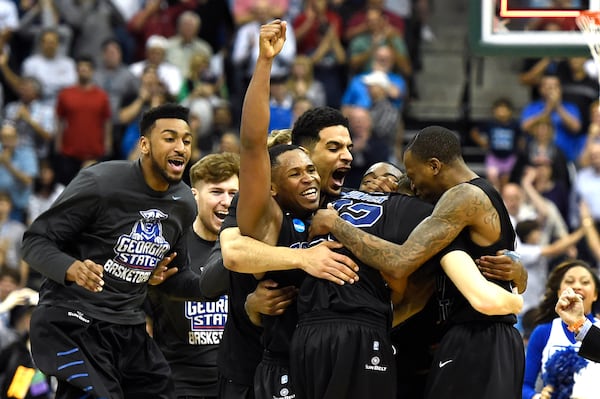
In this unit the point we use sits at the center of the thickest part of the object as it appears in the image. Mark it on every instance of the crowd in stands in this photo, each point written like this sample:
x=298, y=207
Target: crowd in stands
x=77, y=75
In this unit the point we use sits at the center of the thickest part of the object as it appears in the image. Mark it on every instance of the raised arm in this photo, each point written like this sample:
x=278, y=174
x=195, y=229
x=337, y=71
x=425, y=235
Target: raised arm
x=258, y=215
x=13, y=80
x=535, y=198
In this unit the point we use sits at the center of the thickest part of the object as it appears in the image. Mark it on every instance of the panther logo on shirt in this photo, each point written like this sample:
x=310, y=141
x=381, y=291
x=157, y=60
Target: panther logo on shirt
x=149, y=227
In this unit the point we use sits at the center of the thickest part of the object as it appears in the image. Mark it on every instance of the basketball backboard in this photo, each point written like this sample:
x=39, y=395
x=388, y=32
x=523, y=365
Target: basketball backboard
x=528, y=27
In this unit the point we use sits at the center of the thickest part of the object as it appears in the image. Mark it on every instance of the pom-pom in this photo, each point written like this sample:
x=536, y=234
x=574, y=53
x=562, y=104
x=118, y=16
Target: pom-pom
x=560, y=372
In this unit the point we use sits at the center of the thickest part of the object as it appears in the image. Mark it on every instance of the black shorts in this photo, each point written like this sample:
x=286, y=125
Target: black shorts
x=229, y=389
x=272, y=378
x=478, y=360
x=97, y=358
x=342, y=358
x=196, y=397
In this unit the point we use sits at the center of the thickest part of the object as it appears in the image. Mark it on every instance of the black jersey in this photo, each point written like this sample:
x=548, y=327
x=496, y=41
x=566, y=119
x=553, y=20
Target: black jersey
x=240, y=350
x=110, y=215
x=391, y=217
x=278, y=330
x=453, y=306
x=189, y=332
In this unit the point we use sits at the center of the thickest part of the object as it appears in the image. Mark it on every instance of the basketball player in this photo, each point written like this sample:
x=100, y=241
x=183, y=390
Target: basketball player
x=188, y=332
x=97, y=246
x=469, y=208
x=279, y=190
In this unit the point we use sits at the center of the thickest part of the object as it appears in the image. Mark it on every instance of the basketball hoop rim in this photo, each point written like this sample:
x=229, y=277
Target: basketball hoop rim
x=590, y=14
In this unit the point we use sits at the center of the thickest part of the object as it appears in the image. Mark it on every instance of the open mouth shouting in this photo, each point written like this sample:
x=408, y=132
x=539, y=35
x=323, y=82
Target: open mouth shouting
x=177, y=165
x=221, y=215
x=337, y=178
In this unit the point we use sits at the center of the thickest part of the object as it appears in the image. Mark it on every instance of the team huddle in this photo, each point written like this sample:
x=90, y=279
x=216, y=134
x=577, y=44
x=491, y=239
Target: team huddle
x=270, y=278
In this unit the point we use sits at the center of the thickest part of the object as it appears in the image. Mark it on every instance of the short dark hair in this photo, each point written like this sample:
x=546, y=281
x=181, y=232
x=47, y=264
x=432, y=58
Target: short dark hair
x=48, y=30
x=307, y=127
x=110, y=40
x=163, y=111
x=277, y=150
x=503, y=102
x=278, y=80
x=85, y=58
x=435, y=142
x=391, y=164
x=525, y=227
x=550, y=74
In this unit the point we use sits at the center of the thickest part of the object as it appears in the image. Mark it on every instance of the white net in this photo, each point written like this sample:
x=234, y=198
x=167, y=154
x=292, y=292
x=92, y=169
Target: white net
x=589, y=25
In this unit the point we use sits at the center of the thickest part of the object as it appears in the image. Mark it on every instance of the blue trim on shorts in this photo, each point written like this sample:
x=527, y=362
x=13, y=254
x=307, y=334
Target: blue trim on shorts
x=75, y=363
x=75, y=376
x=67, y=352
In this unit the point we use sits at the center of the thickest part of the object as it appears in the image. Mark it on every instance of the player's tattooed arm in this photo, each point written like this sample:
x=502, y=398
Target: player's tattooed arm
x=461, y=206
x=457, y=208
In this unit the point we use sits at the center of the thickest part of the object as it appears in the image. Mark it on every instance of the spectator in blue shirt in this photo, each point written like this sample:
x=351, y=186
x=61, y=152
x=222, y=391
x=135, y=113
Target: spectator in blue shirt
x=565, y=117
x=18, y=168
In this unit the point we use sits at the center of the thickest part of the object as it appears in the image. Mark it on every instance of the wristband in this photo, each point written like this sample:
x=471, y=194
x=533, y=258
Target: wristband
x=514, y=256
x=574, y=328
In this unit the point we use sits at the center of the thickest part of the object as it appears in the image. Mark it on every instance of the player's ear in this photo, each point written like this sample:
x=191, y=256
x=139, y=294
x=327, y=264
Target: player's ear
x=273, y=190
x=144, y=144
x=435, y=165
